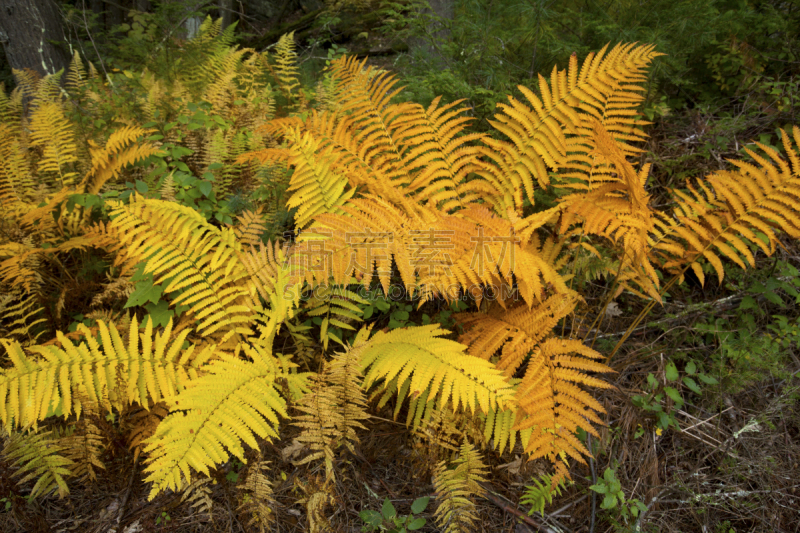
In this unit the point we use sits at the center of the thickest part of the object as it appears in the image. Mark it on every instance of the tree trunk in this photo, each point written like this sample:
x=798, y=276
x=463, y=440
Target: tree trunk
x=28, y=29
x=226, y=12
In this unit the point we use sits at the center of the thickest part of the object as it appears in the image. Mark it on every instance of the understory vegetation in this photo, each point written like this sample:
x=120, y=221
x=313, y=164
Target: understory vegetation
x=530, y=267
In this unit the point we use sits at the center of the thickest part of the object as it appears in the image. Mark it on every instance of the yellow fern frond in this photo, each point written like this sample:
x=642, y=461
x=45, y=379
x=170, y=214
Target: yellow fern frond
x=730, y=210
x=16, y=182
x=316, y=187
x=55, y=382
x=418, y=359
x=455, y=489
x=286, y=67
x=122, y=149
x=179, y=245
x=231, y=404
x=51, y=132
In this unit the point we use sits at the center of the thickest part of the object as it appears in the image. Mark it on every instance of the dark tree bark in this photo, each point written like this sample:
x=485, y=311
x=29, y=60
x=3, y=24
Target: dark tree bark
x=226, y=12
x=28, y=29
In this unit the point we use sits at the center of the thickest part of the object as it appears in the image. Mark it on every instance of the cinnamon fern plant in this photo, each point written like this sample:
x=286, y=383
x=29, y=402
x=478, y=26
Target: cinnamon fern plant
x=389, y=196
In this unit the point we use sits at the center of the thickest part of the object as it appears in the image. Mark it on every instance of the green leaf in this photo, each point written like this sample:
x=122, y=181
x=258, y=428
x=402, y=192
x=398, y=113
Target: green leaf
x=415, y=524
x=609, y=502
x=371, y=518
x=419, y=505
x=671, y=371
x=599, y=489
x=708, y=380
x=674, y=394
x=691, y=368
x=160, y=312
x=141, y=187
x=144, y=293
x=692, y=384
x=388, y=511
x=205, y=187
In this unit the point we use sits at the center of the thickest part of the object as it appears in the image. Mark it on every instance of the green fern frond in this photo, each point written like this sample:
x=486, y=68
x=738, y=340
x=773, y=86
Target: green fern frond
x=337, y=307
x=541, y=493
x=37, y=455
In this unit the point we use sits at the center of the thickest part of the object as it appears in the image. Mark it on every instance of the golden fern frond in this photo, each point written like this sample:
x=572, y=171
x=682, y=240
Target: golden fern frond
x=123, y=148
x=549, y=397
x=438, y=157
x=365, y=95
x=16, y=182
x=551, y=401
x=37, y=455
x=198, y=259
x=198, y=493
x=317, y=188
x=723, y=215
x=516, y=331
x=286, y=66
x=603, y=89
x=52, y=133
x=419, y=360
x=319, y=425
x=55, y=382
x=231, y=404
x=455, y=487
x=446, y=252
x=334, y=409
x=250, y=227
x=257, y=499
x=76, y=74
x=616, y=209
x=82, y=443
x=20, y=311
x=20, y=266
